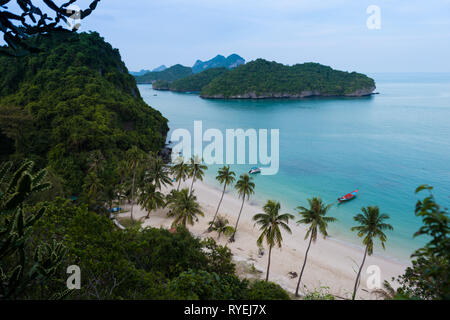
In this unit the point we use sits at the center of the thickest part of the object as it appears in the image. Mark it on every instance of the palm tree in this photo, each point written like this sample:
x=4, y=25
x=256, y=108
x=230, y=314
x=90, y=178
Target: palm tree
x=95, y=161
x=226, y=177
x=134, y=156
x=150, y=199
x=180, y=170
x=371, y=226
x=184, y=207
x=315, y=217
x=245, y=187
x=270, y=222
x=93, y=188
x=221, y=226
x=195, y=170
x=157, y=172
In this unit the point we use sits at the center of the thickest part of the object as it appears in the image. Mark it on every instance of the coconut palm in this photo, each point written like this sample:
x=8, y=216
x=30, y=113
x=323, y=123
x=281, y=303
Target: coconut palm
x=93, y=187
x=226, y=177
x=371, y=226
x=184, y=207
x=157, y=172
x=315, y=217
x=134, y=156
x=179, y=170
x=245, y=187
x=95, y=161
x=269, y=223
x=196, y=170
x=150, y=199
x=221, y=226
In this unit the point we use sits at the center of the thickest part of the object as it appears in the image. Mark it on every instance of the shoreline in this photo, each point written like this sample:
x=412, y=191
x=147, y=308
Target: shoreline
x=331, y=262
x=259, y=200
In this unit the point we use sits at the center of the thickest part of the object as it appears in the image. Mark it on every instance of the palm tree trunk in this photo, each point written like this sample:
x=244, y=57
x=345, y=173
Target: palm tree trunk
x=179, y=182
x=359, y=274
x=132, y=194
x=268, y=264
x=217, y=210
x=235, y=228
x=193, y=180
x=303, y=267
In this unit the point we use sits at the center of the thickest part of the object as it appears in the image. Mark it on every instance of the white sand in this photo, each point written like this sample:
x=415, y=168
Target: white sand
x=331, y=263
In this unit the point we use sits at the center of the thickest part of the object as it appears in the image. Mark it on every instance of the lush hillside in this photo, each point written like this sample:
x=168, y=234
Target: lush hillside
x=263, y=79
x=192, y=83
x=73, y=97
x=171, y=74
x=219, y=61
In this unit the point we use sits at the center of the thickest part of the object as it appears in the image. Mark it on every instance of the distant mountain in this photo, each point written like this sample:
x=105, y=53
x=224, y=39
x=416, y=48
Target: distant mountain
x=262, y=79
x=192, y=83
x=171, y=74
x=139, y=73
x=160, y=68
x=219, y=61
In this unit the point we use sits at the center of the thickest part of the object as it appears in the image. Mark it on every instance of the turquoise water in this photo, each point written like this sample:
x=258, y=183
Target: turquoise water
x=385, y=145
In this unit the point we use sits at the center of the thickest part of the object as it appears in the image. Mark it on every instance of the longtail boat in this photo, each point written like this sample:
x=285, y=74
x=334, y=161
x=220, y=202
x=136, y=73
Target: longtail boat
x=348, y=196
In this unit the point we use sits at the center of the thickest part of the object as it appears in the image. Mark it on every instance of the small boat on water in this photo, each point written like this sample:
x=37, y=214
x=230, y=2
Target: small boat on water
x=348, y=196
x=254, y=170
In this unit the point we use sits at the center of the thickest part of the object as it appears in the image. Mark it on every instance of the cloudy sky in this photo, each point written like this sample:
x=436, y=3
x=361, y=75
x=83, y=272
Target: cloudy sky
x=414, y=34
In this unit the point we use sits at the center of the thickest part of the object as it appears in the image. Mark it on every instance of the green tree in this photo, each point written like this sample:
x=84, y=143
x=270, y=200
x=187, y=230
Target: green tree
x=184, y=208
x=134, y=156
x=371, y=226
x=245, y=187
x=226, y=177
x=180, y=171
x=428, y=277
x=221, y=226
x=196, y=170
x=157, y=172
x=20, y=270
x=269, y=223
x=94, y=189
x=150, y=199
x=315, y=217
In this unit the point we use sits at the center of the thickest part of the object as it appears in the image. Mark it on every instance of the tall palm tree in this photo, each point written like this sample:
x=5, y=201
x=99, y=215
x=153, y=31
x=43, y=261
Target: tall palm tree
x=315, y=217
x=150, y=198
x=93, y=187
x=196, y=170
x=226, y=177
x=270, y=222
x=371, y=226
x=157, y=172
x=221, y=226
x=95, y=161
x=134, y=156
x=180, y=170
x=245, y=187
x=184, y=207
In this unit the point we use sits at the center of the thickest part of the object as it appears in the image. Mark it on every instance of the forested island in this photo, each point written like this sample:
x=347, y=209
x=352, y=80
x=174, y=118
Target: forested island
x=262, y=79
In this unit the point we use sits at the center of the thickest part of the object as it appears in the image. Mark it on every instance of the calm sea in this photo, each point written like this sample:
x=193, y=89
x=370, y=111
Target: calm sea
x=385, y=145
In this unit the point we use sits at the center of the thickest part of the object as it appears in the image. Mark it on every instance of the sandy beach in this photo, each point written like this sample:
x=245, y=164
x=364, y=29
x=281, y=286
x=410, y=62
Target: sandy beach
x=331, y=263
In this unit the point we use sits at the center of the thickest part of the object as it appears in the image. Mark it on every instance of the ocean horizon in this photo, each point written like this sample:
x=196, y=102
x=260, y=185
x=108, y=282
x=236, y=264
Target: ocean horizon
x=385, y=145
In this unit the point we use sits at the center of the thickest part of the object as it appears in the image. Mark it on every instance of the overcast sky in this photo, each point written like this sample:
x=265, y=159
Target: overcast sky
x=414, y=34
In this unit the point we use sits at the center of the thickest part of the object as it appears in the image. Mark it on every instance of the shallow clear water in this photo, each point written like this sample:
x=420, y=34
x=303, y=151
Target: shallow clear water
x=385, y=145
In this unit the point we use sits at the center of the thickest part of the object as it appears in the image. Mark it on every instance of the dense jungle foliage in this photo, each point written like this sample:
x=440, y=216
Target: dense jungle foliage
x=264, y=78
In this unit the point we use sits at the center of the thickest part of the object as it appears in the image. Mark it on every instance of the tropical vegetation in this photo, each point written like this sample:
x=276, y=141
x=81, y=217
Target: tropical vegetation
x=264, y=79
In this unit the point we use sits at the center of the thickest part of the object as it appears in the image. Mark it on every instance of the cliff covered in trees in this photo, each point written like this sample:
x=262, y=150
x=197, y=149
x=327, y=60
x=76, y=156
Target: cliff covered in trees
x=73, y=97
